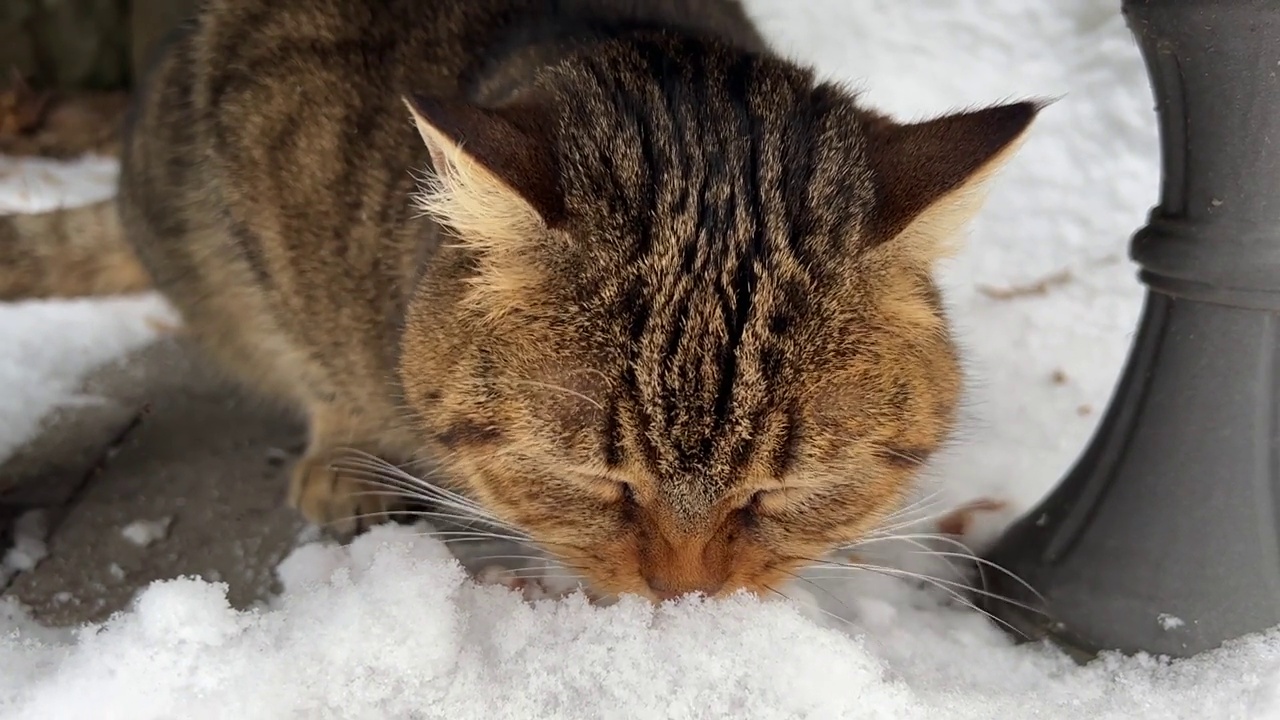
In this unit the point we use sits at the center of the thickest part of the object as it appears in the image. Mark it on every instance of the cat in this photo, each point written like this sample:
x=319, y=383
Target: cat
x=639, y=286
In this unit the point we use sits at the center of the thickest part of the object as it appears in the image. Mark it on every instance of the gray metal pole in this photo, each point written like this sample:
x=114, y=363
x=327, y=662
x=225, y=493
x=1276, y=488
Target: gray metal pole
x=1165, y=536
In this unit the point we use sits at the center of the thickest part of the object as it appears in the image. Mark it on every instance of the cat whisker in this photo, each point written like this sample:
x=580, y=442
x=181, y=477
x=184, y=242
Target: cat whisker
x=947, y=586
x=939, y=537
x=816, y=586
x=358, y=454
x=982, y=562
x=417, y=494
x=890, y=532
x=528, y=558
x=565, y=557
x=915, y=539
x=545, y=563
x=386, y=487
x=546, y=557
x=542, y=574
x=914, y=460
x=820, y=609
x=542, y=545
x=967, y=555
x=476, y=538
x=906, y=523
x=929, y=500
x=924, y=549
x=419, y=514
x=485, y=534
x=352, y=518
x=384, y=469
x=950, y=592
x=465, y=521
x=422, y=490
x=383, y=515
x=353, y=454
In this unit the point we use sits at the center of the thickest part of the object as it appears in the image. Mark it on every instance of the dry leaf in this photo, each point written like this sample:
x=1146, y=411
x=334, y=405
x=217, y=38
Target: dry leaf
x=958, y=521
x=1040, y=287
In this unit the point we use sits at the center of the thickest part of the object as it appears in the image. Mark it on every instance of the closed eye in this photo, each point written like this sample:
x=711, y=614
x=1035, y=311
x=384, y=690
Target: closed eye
x=610, y=489
x=766, y=502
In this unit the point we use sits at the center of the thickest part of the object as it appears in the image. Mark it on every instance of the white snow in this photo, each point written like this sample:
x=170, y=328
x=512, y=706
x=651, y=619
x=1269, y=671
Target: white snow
x=49, y=347
x=390, y=628
x=28, y=547
x=38, y=185
x=144, y=532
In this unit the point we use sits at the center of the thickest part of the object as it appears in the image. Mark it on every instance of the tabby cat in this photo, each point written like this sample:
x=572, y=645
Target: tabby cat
x=640, y=287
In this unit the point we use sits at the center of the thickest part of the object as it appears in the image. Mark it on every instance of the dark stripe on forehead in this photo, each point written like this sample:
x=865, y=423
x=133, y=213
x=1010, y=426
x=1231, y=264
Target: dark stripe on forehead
x=716, y=152
x=737, y=304
x=797, y=165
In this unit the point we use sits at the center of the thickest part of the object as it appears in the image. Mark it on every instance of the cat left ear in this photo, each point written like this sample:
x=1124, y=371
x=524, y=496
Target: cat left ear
x=930, y=176
x=495, y=177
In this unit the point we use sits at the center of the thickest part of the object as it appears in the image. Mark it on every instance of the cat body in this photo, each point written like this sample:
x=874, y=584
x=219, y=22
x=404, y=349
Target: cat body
x=641, y=289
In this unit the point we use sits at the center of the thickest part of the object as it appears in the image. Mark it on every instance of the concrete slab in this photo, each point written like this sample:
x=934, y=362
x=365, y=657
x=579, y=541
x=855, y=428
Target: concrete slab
x=203, y=468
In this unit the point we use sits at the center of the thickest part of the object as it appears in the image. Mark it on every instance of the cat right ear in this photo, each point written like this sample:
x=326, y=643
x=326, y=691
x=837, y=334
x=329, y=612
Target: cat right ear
x=494, y=180
x=930, y=176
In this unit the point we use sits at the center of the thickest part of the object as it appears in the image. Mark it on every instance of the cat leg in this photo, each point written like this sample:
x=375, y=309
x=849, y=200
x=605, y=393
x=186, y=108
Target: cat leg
x=336, y=483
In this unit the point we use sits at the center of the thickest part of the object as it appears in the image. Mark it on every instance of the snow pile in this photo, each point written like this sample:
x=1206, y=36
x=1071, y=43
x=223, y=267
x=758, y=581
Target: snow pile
x=390, y=628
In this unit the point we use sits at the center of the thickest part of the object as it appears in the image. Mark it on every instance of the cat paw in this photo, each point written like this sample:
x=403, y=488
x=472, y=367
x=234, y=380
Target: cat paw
x=335, y=499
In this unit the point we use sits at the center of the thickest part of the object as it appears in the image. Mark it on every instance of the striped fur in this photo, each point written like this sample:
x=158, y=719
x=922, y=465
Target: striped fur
x=67, y=253
x=664, y=299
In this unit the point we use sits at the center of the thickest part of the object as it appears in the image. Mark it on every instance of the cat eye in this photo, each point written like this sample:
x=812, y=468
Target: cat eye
x=766, y=502
x=749, y=514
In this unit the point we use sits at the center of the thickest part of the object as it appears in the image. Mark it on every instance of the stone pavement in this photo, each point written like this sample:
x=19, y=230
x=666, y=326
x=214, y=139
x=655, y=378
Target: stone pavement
x=174, y=446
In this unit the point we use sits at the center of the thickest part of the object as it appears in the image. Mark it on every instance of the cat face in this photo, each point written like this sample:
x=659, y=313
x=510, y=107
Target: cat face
x=687, y=338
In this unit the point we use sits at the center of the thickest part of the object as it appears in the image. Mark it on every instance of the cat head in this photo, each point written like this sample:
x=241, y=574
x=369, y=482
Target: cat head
x=684, y=332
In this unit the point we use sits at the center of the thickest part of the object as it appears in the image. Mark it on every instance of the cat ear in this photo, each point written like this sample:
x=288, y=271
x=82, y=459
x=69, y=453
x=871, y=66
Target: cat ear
x=494, y=177
x=930, y=175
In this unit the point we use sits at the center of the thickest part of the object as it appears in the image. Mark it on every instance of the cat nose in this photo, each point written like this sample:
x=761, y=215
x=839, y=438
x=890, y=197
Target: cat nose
x=668, y=589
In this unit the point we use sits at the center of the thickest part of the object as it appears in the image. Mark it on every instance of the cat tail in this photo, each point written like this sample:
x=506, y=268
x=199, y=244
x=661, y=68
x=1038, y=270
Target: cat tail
x=66, y=253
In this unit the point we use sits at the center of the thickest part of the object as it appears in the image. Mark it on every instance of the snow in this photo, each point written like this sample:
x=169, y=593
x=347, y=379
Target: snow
x=144, y=532
x=390, y=627
x=49, y=347
x=38, y=185
x=28, y=547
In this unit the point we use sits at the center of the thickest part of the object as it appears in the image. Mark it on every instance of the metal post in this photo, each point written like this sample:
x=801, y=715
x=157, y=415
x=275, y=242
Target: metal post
x=1165, y=536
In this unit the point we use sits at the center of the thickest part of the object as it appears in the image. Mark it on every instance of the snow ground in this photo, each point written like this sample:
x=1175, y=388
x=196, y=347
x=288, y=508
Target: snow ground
x=389, y=627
